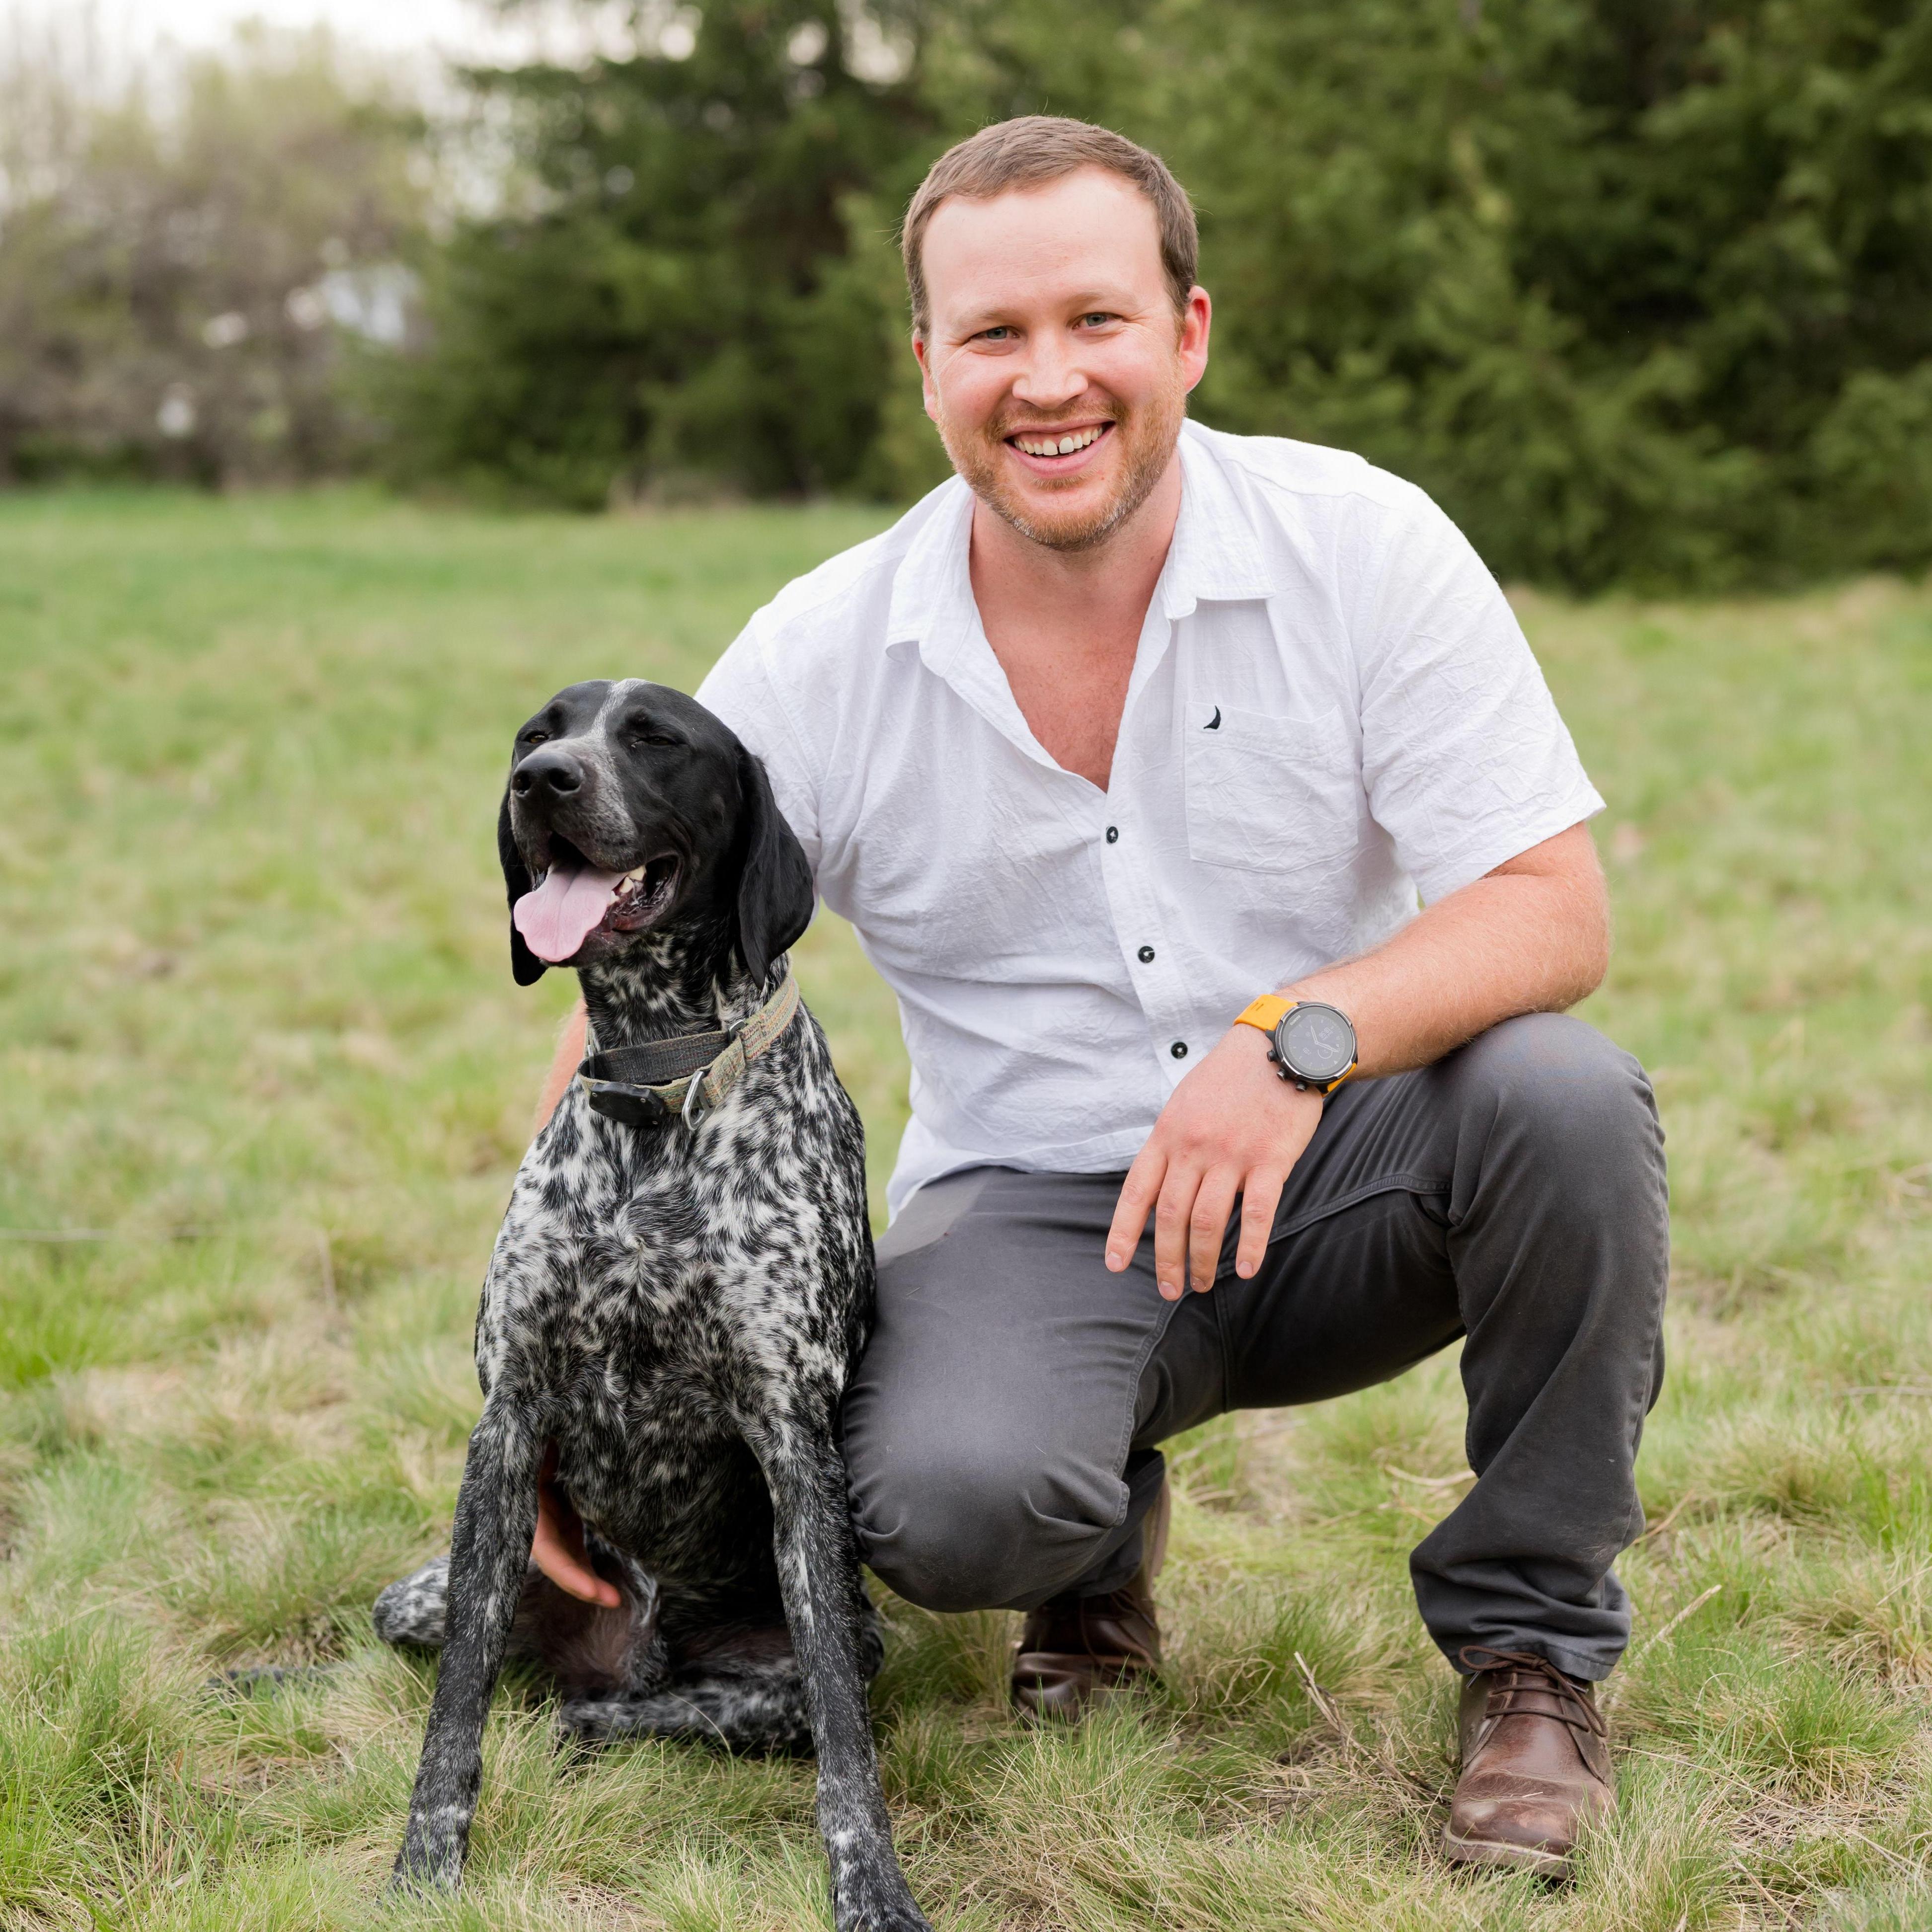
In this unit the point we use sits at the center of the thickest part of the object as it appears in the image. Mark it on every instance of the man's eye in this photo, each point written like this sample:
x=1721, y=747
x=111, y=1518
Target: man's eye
x=1002, y=334
x=1098, y=315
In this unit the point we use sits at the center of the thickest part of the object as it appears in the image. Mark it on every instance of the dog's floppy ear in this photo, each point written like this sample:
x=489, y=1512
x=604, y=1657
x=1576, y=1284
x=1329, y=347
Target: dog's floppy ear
x=525, y=966
x=775, y=893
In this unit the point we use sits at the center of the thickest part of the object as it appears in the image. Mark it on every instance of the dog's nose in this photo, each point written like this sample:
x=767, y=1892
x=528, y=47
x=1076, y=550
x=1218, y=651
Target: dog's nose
x=547, y=773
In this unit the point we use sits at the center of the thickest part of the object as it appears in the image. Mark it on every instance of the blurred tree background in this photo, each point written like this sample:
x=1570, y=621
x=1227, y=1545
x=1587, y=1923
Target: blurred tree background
x=181, y=261
x=1641, y=290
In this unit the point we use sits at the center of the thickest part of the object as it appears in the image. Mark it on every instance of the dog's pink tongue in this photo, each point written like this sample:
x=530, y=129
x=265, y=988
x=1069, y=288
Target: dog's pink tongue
x=556, y=918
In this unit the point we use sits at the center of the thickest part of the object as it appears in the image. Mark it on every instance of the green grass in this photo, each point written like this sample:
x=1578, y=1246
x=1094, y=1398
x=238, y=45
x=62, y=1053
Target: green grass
x=259, y=1029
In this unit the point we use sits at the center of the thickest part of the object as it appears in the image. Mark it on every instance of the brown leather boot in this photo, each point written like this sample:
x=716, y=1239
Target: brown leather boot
x=1536, y=1764
x=1074, y=1651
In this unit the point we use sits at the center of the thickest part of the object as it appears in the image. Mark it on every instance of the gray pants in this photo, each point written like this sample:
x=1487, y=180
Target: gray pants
x=1000, y=1429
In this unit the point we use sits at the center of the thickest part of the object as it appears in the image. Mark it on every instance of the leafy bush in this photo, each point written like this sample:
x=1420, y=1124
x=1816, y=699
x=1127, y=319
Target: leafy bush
x=1640, y=291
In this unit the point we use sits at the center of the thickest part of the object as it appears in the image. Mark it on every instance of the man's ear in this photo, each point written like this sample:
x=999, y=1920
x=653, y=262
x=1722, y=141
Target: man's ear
x=775, y=893
x=525, y=966
x=928, y=384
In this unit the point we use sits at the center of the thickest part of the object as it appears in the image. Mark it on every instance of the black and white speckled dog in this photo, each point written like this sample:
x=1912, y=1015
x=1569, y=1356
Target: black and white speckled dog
x=671, y=1309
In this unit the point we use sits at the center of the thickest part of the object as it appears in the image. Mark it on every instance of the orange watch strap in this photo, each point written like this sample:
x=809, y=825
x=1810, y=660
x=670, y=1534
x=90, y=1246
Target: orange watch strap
x=1265, y=1013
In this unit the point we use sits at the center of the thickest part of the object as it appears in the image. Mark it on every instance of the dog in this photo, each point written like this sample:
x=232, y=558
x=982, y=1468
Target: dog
x=682, y=1282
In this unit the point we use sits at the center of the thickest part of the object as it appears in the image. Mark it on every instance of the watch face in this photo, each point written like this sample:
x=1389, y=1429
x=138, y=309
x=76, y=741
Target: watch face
x=1317, y=1042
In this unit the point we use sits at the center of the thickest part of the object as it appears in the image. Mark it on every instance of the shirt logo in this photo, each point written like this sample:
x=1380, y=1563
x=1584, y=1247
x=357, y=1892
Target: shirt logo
x=1214, y=723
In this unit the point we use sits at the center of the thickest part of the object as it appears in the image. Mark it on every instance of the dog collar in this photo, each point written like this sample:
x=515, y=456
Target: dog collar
x=683, y=1078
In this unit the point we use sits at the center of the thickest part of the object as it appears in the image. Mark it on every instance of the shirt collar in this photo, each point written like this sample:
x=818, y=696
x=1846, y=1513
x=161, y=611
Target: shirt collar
x=932, y=589
x=1220, y=553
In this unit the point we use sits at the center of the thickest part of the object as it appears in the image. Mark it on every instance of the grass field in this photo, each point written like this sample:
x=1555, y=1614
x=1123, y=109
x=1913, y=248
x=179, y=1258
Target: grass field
x=261, y=1044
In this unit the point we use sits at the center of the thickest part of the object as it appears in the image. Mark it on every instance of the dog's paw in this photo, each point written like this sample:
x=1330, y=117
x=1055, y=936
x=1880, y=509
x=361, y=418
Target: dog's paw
x=870, y=1896
x=590, y=1721
x=428, y=1862
x=415, y=1609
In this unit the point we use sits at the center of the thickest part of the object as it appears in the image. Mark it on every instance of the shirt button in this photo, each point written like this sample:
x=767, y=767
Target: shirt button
x=1113, y=835
x=1147, y=955
x=1179, y=1049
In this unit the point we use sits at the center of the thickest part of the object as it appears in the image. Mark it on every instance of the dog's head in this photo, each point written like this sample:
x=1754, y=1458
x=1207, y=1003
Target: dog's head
x=631, y=809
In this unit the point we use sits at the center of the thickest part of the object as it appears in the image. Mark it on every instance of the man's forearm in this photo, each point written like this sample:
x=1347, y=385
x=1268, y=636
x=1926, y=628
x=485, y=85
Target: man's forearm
x=1532, y=937
x=556, y=1546
x=562, y=1066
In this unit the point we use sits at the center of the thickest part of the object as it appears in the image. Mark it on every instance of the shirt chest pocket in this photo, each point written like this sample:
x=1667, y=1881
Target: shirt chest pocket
x=1271, y=794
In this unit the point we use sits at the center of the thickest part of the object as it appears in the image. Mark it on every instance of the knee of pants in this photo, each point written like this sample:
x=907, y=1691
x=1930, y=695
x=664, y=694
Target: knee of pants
x=973, y=1526
x=1569, y=1103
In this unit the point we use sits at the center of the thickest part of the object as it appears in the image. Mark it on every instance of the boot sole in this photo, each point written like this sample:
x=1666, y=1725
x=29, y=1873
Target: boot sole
x=1027, y=1703
x=1075, y=1712
x=1516, y=1857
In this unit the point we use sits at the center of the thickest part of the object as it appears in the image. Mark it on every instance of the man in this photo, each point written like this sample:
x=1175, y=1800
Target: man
x=1130, y=753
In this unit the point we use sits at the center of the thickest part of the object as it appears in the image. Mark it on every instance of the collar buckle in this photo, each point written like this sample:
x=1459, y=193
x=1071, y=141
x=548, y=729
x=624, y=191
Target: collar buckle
x=629, y=1106
x=696, y=1106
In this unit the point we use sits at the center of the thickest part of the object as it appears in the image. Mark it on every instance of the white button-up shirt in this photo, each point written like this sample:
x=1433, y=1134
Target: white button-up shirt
x=1333, y=717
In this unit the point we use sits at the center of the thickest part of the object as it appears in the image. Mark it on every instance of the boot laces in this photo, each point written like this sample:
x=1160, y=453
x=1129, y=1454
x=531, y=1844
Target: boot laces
x=1518, y=1675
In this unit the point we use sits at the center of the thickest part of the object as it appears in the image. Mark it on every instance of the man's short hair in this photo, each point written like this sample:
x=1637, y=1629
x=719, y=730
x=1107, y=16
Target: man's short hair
x=1031, y=150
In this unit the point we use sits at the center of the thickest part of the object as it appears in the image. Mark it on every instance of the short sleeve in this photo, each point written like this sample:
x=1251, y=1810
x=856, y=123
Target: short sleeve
x=1464, y=758
x=740, y=691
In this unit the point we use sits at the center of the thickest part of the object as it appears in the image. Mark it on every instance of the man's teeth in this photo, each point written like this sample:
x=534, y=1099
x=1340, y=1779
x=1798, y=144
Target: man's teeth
x=1064, y=445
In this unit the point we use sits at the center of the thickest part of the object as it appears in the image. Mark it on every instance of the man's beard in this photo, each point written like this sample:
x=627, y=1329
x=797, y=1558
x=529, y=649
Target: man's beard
x=1147, y=436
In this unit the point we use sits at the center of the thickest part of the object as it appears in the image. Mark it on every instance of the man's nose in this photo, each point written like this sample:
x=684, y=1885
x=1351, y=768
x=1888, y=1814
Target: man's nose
x=1052, y=376
x=548, y=774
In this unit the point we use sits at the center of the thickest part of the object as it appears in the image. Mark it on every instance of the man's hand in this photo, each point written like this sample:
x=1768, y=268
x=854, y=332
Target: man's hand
x=1234, y=1126
x=1531, y=936
x=557, y=1549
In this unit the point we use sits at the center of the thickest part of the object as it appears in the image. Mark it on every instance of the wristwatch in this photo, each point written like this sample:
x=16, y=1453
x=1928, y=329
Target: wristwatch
x=1314, y=1044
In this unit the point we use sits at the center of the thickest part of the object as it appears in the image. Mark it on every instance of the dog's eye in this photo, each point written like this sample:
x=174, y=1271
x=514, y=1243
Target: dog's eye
x=652, y=738
x=536, y=737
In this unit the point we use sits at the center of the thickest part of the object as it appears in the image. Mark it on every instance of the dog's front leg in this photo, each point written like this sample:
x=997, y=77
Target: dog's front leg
x=818, y=1573
x=489, y=1555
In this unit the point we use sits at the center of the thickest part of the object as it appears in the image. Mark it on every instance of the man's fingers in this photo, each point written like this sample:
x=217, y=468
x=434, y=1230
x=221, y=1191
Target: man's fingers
x=1261, y=1196
x=1207, y=1224
x=1138, y=1192
x=557, y=1550
x=1170, y=1228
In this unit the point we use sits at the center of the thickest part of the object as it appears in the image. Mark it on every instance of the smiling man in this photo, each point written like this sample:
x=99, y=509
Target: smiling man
x=1201, y=801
